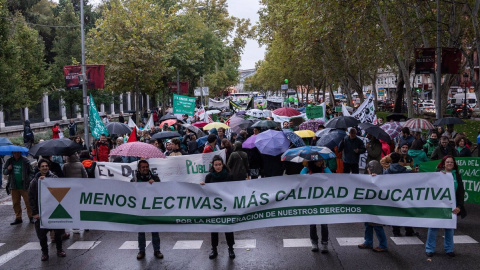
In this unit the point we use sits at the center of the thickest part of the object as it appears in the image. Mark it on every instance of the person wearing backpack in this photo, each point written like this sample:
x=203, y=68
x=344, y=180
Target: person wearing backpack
x=238, y=163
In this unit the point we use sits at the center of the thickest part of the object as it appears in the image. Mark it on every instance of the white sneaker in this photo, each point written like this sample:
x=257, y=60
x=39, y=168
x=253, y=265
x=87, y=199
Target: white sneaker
x=77, y=231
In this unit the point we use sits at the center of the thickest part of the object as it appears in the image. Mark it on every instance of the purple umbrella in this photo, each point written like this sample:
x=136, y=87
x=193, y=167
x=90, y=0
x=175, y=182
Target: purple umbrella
x=311, y=124
x=249, y=143
x=272, y=142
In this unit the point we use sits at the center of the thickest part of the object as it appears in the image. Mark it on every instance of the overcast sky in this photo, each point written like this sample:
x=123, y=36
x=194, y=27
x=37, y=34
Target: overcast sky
x=242, y=9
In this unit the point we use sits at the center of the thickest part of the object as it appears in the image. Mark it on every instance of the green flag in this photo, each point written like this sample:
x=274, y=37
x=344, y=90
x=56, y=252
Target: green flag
x=97, y=127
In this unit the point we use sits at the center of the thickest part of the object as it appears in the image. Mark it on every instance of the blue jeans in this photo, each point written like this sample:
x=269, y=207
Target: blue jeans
x=382, y=239
x=142, y=242
x=432, y=240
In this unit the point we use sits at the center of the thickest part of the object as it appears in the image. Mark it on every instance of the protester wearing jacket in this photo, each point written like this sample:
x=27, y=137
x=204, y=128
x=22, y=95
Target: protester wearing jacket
x=352, y=147
x=417, y=153
x=28, y=136
x=74, y=168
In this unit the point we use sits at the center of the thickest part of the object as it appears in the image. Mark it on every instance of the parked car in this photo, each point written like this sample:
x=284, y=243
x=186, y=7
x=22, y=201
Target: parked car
x=457, y=110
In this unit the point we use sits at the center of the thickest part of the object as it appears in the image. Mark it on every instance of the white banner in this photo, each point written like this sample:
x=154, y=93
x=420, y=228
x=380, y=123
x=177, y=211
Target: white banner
x=221, y=104
x=188, y=168
x=419, y=200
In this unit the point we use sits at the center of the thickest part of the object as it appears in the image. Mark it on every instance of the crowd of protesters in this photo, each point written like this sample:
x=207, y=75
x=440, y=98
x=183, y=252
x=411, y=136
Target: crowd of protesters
x=401, y=156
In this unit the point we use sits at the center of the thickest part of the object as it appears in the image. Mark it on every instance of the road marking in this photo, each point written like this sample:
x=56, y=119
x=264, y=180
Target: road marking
x=31, y=246
x=132, y=245
x=9, y=255
x=245, y=243
x=299, y=242
x=406, y=240
x=463, y=239
x=188, y=244
x=84, y=245
x=350, y=241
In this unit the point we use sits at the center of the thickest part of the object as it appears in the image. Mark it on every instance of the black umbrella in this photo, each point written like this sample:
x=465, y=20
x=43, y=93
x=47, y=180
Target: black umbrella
x=55, y=147
x=118, y=128
x=226, y=113
x=266, y=124
x=166, y=135
x=243, y=124
x=332, y=138
x=342, y=122
x=194, y=129
x=448, y=121
x=397, y=117
x=5, y=141
x=168, y=116
x=376, y=131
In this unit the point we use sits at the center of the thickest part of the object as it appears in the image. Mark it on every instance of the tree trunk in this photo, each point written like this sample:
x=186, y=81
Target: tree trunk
x=399, y=95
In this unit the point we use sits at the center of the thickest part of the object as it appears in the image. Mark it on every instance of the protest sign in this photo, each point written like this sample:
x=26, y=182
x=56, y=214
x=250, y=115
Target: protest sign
x=191, y=168
x=420, y=200
x=469, y=168
x=183, y=105
x=314, y=112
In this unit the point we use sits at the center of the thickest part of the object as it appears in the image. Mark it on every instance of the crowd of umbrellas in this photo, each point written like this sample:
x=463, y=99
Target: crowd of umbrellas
x=272, y=141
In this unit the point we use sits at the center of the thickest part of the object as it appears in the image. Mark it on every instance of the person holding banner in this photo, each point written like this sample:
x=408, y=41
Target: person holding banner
x=219, y=172
x=44, y=167
x=144, y=174
x=317, y=166
x=448, y=165
x=374, y=168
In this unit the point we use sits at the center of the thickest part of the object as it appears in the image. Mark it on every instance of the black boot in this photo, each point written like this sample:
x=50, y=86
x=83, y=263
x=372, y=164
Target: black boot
x=231, y=254
x=213, y=254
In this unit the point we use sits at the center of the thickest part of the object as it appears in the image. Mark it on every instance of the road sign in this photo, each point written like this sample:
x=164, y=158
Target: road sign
x=197, y=93
x=284, y=86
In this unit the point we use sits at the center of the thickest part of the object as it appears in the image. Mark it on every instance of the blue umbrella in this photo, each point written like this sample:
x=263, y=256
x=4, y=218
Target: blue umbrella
x=332, y=138
x=202, y=140
x=294, y=138
x=272, y=142
x=6, y=150
x=5, y=141
x=307, y=153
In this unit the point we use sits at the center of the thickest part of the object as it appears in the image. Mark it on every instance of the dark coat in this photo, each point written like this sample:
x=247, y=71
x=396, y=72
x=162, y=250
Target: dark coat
x=144, y=178
x=273, y=165
x=441, y=151
x=348, y=145
x=27, y=173
x=33, y=192
x=238, y=164
x=28, y=135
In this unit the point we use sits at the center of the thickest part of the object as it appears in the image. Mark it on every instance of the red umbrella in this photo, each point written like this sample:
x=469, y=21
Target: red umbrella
x=200, y=124
x=169, y=122
x=286, y=111
x=137, y=149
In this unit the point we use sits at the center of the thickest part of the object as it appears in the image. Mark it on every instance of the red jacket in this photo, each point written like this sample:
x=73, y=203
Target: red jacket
x=101, y=152
x=55, y=132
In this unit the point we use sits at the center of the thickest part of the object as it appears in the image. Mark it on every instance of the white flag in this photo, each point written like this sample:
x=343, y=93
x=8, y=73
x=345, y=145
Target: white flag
x=366, y=112
x=131, y=124
x=345, y=110
x=149, y=124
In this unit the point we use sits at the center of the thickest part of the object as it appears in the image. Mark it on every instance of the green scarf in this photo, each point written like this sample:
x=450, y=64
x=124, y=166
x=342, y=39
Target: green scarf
x=219, y=176
x=455, y=183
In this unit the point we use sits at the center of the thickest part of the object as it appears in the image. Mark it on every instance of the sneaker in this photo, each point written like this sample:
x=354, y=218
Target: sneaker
x=379, y=249
x=451, y=254
x=76, y=231
x=141, y=255
x=44, y=257
x=158, y=254
x=61, y=253
x=314, y=247
x=231, y=254
x=429, y=254
x=324, y=247
x=16, y=221
x=213, y=254
x=363, y=246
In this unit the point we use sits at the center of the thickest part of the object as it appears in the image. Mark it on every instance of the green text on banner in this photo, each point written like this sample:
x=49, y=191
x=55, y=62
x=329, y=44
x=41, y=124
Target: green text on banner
x=470, y=172
x=420, y=200
x=183, y=105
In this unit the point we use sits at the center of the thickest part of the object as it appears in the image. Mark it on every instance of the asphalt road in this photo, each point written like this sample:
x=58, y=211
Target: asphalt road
x=269, y=248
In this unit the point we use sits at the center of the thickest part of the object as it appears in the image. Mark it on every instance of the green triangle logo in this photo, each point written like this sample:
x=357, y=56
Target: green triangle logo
x=60, y=213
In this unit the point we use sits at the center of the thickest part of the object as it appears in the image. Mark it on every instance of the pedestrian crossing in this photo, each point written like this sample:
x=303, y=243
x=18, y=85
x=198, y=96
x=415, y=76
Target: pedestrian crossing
x=239, y=244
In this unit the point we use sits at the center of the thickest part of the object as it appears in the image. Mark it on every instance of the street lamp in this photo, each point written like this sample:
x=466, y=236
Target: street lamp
x=465, y=77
